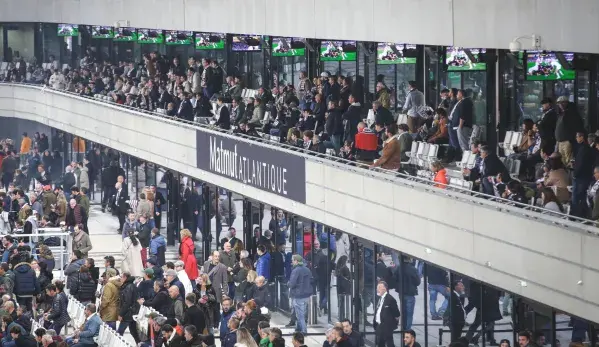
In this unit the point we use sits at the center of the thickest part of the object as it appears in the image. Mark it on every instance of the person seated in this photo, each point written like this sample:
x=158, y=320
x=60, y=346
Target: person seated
x=489, y=168
x=365, y=144
x=391, y=154
x=593, y=197
x=549, y=200
x=558, y=177
x=295, y=139
x=515, y=192
x=314, y=144
x=379, y=128
x=441, y=136
x=527, y=141
x=346, y=152
x=473, y=174
x=440, y=178
x=405, y=141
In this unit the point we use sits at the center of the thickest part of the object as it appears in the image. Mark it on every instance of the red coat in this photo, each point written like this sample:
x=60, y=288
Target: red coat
x=189, y=258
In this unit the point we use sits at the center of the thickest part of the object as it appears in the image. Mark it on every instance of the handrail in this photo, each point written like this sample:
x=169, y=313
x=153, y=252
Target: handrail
x=468, y=196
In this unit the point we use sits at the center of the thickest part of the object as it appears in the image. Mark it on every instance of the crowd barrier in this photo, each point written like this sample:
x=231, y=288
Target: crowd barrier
x=142, y=319
x=106, y=336
x=61, y=254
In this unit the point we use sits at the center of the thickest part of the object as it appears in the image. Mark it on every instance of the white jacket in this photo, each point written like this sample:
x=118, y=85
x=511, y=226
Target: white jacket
x=57, y=81
x=132, y=258
x=182, y=276
x=4, y=223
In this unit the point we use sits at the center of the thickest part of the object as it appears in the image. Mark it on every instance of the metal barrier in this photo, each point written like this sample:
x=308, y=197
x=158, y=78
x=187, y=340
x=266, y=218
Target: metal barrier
x=142, y=319
x=61, y=254
x=106, y=336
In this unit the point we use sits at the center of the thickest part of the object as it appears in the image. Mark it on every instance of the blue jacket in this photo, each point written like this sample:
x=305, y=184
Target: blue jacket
x=263, y=266
x=25, y=281
x=300, y=283
x=224, y=320
x=230, y=339
x=91, y=329
x=156, y=242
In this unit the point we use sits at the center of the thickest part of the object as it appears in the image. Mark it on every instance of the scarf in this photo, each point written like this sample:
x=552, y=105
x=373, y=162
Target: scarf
x=79, y=236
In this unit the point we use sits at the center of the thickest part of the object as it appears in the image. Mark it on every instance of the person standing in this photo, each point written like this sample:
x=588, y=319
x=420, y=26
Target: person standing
x=414, y=102
x=128, y=305
x=409, y=280
x=457, y=313
x=386, y=316
x=121, y=204
x=193, y=315
x=58, y=314
x=109, y=300
x=131, y=250
x=187, y=252
x=300, y=289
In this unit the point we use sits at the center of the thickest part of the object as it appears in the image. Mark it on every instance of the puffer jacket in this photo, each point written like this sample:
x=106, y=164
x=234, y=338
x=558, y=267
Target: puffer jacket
x=109, y=303
x=84, y=178
x=84, y=288
x=263, y=266
x=72, y=272
x=128, y=296
x=59, y=313
x=25, y=280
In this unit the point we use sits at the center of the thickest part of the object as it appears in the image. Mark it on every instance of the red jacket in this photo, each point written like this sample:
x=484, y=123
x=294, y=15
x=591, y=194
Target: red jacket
x=189, y=258
x=366, y=140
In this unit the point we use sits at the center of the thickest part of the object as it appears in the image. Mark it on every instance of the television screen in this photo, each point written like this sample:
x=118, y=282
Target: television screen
x=246, y=43
x=545, y=66
x=68, y=30
x=210, y=41
x=464, y=59
x=125, y=34
x=174, y=37
x=288, y=47
x=101, y=32
x=338, y=51
x=396, y=53
x=150, y=36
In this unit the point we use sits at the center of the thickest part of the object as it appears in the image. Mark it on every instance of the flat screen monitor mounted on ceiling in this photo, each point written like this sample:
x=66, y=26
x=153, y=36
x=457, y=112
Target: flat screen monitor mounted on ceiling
x=68, y=30
x=465, y=59
x=547, y=66
x=338, y=51
x=288, y=47
x=207, y=41
x=246, y=43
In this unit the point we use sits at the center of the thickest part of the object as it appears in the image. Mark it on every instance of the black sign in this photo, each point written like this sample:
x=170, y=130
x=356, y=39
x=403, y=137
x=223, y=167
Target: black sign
x=273, y=171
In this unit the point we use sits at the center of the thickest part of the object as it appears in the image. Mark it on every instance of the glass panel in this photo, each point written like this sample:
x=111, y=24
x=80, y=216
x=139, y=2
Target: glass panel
x=256, y=70
x=405, y=73
x=582, y=96
x=476, y=83
x=454, y=80
x=342, y=289
x=367, y=288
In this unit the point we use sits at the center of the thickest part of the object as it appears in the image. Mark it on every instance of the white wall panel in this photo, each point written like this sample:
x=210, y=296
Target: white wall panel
x=494, y=243
x=563, y=24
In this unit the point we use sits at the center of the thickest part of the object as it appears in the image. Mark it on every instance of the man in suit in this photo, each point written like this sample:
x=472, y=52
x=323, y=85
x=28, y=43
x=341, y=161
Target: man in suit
x=548, y=122
x=386, y=316
x=185, y=111
x=121, y=205
x=456, y=312
x=484, y=299
x=490, y=167
x=91, y=328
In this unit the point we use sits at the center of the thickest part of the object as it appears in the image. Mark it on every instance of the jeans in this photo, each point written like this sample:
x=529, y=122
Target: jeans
x=336, y=140
x=409, y=303
x=433, y=290
x=132, y=325
x=299, y=305
x=464, y=137
x=56, y=327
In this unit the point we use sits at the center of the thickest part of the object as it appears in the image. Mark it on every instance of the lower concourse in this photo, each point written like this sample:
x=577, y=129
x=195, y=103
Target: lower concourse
x=366, y=262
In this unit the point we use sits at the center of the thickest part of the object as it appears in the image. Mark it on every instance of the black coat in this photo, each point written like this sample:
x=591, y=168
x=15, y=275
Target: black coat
x=128, y=296
x=334, y=122
x=160, y=302
x=84, y=288
x=262, y=296
x=383, y=116
x=224, y=121
x=584, y=162
x=546, y=127
x=194, y=316
x=493, y=166
x=351, y=118
x=185, y=110
x=456, y=309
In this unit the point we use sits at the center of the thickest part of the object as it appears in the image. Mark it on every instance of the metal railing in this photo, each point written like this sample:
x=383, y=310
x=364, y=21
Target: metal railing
x=106, y=336
x=61, y=254
x=468, y=196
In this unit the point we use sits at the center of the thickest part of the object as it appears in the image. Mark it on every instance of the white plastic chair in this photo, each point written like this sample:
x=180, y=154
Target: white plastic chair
x=465, y=157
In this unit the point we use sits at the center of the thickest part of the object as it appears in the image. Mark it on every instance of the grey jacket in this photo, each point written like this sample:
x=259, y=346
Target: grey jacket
x=414, y=102
x=258, y=115
x=84, y=178
x=220, y=279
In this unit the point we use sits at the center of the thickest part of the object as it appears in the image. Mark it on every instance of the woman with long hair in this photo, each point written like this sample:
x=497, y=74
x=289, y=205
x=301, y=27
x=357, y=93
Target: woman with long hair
x=240, y=278
x=131, y=250
x=207, y=301
x=187, y=254
x=550, y=201
x=245, y=339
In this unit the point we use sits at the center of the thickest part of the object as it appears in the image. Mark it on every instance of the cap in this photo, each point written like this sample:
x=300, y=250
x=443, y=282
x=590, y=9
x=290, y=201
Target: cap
x=170, y=272
x=546, y=101
x=179, y=263
x=324, y=74
x=563, y=99
x=153, y=315
x=149, y=271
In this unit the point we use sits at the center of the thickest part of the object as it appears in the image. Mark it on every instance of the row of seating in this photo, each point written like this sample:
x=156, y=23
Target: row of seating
x=422, y=154
x=452, y=182
x=106, y=337
x=512, y=139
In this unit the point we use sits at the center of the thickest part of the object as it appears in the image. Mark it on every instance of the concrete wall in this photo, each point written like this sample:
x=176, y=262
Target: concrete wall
x=497, y=244
x=563, y=25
